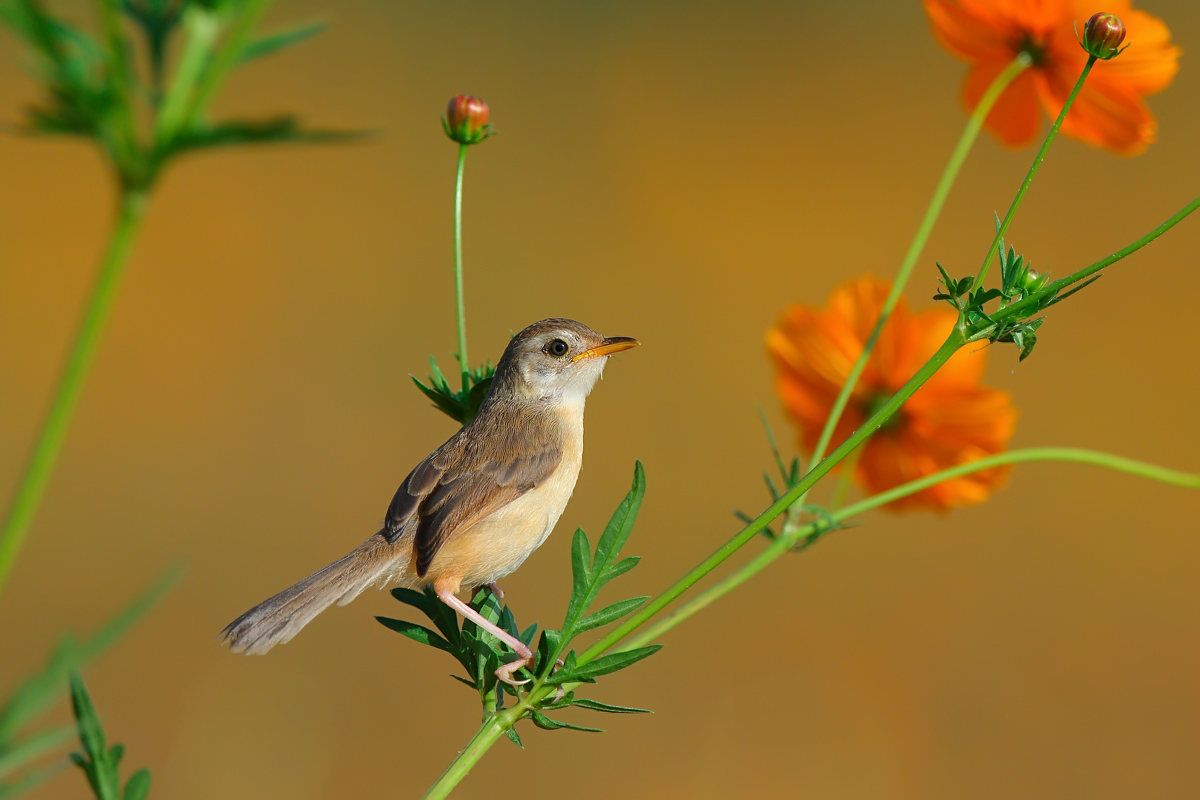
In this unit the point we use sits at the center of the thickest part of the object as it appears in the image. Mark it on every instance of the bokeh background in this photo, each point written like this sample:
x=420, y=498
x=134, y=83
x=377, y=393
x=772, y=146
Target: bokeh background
x=674, y=171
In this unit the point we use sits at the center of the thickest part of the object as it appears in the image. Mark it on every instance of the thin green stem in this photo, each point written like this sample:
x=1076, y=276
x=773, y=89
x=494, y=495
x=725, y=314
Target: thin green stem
x=790, y=539
x=955, y=340
x=1027, y=305
x=936, y=203
x=54, y=427
x=459, y=304
x=1033, y=168
x=491, y=730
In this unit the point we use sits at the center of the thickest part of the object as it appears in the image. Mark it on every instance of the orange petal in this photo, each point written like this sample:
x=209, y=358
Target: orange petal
x=971, y=31
x=1014, y=119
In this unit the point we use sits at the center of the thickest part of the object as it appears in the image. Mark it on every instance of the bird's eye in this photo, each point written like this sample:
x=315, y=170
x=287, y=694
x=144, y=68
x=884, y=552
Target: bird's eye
x=557, y=348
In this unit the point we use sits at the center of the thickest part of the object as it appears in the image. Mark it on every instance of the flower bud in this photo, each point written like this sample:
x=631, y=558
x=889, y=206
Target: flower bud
x=1102, y=35
x=466, y=119
x=1032, y=281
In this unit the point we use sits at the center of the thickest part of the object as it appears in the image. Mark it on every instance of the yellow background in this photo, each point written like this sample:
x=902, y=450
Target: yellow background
x=678, y=172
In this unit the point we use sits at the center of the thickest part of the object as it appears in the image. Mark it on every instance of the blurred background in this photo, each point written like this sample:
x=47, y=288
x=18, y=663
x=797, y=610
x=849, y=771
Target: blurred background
x=678, y=172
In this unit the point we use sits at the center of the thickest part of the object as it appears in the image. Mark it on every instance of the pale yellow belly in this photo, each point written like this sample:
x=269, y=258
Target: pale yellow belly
x=498, y=544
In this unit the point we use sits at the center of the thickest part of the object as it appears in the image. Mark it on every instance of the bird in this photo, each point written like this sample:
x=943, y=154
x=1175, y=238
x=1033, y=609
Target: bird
x=476, y=507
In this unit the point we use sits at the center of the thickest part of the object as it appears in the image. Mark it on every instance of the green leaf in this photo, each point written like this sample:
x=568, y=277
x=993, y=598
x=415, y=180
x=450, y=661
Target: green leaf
x=138, y=785
x=612, y=662
x=236, y=132
x=415, y=632
x=14, y=756
x=619, y=568
x=608, y=614
x=595, y=705
x=621, y=525
x=274, y=42
x=514, y=737
x=544, y=722
x=91, y=735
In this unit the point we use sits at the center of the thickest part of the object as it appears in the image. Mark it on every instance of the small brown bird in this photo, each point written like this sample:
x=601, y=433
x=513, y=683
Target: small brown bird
x=477, y=506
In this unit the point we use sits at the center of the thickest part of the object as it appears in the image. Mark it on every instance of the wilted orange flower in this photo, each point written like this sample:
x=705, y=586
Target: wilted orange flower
x=1109, y=111
x=950, y=420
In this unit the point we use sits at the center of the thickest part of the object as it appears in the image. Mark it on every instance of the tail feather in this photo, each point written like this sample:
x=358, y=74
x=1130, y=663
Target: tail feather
x=277, y=619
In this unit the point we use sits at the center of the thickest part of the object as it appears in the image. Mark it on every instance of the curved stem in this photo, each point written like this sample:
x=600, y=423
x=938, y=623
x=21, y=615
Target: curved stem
x=58, y=417
x=948, y=348
x=936, y=203
x=790, y=539
x=1033, y=168
x=460, y=306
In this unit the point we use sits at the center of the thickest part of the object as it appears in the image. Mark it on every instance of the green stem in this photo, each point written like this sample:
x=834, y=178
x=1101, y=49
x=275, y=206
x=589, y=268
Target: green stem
x=54, y=427
x=1033, y=168
x=955, y=340
x=936, y=203
x=459, y=303
x=491, y=730
x=1029, y=304
x=790, y=539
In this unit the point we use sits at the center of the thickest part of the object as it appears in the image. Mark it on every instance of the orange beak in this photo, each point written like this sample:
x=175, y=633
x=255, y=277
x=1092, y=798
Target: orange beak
x=609, y=346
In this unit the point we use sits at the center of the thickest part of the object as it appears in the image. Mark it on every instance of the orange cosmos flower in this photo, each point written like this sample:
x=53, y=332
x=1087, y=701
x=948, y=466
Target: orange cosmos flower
x=1109, y=111
x=950, y=420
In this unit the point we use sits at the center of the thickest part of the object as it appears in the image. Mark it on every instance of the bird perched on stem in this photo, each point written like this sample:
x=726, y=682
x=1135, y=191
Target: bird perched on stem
x=477, y=506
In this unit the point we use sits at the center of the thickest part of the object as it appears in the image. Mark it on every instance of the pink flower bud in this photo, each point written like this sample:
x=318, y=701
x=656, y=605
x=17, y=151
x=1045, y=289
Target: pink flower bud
x=1102, y=35
x=466, y=119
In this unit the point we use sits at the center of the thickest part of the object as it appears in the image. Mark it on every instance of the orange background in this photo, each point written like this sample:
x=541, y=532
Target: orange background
x=678, y=172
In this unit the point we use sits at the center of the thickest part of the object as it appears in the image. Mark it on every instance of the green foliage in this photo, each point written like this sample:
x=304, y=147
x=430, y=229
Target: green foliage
x=555, y=664
x=462, y=405
x=98, y=761
x=1019, y=283
x=93, y=89
x=40, y=690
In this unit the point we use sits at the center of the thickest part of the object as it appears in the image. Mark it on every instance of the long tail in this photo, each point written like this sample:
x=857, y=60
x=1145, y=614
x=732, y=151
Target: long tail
x=278, y=619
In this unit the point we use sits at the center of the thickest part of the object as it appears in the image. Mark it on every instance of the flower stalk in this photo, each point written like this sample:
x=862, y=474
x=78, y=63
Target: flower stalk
x=48, y=444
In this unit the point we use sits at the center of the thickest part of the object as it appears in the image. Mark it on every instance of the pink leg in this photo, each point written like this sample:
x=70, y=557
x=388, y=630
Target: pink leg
x=505, y=673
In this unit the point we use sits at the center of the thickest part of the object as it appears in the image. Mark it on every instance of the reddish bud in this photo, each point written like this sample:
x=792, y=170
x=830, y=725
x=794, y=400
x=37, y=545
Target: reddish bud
x=1102, y=35
x=466, y=120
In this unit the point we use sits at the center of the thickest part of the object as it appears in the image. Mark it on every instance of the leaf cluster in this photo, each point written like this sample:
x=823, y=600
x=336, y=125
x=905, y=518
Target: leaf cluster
x=555, y=663
x=38, y=692
x=99, y=762
x=790, y=475
x=94, y=89
x=462, y=405
x=1018, y=283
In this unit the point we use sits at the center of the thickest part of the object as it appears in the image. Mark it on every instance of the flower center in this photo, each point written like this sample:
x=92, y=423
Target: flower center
x=1033, y=48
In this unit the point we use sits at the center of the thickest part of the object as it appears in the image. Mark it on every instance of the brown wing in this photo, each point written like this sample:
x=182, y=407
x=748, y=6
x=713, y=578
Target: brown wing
x=463, y=481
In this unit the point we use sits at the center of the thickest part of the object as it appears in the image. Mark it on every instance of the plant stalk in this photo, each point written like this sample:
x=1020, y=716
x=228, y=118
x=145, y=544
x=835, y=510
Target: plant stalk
x=48, y=444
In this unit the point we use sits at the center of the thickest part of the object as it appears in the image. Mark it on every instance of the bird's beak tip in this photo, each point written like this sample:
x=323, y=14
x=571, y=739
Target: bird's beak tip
x=614, y=344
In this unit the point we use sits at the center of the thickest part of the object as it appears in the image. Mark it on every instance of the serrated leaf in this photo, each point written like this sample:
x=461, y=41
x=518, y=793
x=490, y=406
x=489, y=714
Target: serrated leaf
x=612, y=662
x=608, y=614
x=544, y=722
x=608, y=708
x=415, y=632
x=274, y=42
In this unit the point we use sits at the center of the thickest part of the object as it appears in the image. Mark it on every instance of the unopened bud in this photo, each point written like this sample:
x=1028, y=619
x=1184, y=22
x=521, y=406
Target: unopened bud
x=1102, y=35
x=466, y=120
x=1032, y=280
